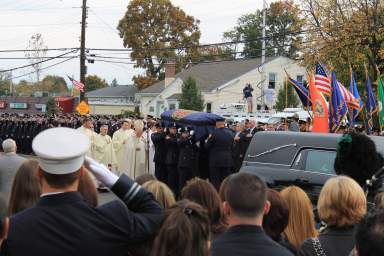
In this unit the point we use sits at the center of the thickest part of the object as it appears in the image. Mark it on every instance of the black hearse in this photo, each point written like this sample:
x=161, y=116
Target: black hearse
x=295, y=158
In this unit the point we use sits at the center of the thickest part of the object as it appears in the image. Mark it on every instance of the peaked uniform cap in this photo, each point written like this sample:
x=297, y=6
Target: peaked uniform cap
x=61, y=150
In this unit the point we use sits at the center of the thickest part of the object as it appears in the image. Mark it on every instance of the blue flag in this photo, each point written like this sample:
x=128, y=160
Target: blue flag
x=338, y=107
x=355, y=92
x=371, y=106
x=301, y=91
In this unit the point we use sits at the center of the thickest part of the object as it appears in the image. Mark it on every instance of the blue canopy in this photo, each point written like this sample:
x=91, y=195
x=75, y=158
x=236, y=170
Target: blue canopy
x=202, y=123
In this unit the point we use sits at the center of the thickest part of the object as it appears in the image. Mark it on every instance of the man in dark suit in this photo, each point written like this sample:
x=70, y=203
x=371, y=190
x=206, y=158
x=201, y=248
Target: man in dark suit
x=244, y=209
x=62, y=223
x=188, y=157
x=172, y=158
x=220, y=144
x=158, y=139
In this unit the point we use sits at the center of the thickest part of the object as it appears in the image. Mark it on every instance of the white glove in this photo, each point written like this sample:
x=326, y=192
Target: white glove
x=101, y=172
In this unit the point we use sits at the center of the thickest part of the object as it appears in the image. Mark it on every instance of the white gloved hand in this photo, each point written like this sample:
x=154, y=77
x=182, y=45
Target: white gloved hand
x=101, y=172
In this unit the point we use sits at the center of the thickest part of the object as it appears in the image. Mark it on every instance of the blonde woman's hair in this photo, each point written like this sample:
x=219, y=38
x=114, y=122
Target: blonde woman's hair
x=161, y=192
x=301, y=223
x=342, y=202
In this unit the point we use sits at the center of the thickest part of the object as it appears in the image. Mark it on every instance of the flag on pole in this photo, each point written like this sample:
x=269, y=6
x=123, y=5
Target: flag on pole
x=77, y=84
x=371, y=105
x=348, y=97
x=355, y=92
x=319, y=108
x=322, y=81
x=380, y=88
x=338, y=106
x=301, y=91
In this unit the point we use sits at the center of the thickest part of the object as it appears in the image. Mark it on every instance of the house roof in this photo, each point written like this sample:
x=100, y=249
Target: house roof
x=118, y=91
x=211, y=75
x=175, y=96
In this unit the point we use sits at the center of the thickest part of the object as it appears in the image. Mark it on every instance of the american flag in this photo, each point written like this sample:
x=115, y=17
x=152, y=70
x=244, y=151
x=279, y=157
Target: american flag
x=348, y=97
x=78, y=85
x=322, y=81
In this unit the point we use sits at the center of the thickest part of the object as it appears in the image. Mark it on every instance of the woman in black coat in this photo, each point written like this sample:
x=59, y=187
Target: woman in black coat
x=342, y=204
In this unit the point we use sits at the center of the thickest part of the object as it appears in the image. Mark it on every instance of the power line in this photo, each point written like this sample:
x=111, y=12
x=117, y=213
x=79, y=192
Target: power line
x=32, y=58
x=29, y=65
x=49, y=49
x=37, y=25
x=47, y=67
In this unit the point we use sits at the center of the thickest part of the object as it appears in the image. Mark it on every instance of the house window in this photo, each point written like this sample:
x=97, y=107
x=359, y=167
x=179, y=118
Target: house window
x=272, y=81
x=209, y=107
x=300, y=79
x=172, y=106
x=151, y=109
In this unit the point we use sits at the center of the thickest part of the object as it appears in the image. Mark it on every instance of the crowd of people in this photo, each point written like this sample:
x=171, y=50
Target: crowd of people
x=51, y=205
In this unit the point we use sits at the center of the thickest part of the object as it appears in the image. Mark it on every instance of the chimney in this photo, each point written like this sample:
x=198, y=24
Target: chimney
x=170, y=73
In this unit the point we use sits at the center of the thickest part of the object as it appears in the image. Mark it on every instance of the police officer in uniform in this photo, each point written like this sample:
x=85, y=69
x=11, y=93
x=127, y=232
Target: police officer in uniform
x=220, y=143
x=158, y=139
x=188, y=157
x=172, y=158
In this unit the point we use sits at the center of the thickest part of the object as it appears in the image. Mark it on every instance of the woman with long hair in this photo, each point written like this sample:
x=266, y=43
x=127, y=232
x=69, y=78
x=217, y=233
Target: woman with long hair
x=184, y=232
x=301, y=222
x=162, y=193
x=26, y=188
x=204, y=193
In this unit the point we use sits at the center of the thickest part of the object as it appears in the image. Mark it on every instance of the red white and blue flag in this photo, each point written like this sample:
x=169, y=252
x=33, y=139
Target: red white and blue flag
x=77, y=84
x=322, y=80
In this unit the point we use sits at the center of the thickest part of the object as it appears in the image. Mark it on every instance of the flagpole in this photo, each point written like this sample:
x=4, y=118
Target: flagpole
x=286, y=92
x=377, y=95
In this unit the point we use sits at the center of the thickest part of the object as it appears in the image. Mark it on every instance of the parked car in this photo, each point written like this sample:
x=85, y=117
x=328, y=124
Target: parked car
x=294, y=158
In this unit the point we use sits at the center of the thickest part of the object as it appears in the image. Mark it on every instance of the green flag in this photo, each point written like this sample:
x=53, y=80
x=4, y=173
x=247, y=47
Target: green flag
x=380, y=88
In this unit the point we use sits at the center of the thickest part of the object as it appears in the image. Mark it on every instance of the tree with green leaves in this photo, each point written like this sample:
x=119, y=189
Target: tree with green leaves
x=5, y=83
x=148, y=27
x=53, y=84
x=93, y=82
x=191, y=97
x=52, y=108
x=283, y=23
x=286, y=98
x=114, y=83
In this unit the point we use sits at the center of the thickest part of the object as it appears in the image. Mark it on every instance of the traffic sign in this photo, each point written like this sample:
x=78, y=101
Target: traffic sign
x=82, y=108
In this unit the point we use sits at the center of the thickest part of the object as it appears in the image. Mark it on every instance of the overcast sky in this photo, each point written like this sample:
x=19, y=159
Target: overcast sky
x=58, y=22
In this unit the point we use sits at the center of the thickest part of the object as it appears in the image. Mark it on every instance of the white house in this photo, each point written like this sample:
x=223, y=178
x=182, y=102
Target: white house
x=112, y=100
x=221, y=83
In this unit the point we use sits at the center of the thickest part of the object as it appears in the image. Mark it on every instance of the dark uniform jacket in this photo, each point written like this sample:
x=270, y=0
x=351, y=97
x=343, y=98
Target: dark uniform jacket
x=246, y=240
x=220, y=148
x=172, y=156
x=158, y=140
x=63, y=224
x=334, y=241
x=188, y=154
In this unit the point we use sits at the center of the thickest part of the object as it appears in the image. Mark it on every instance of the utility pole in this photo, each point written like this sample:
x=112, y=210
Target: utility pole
x=263, y=79
x=83, y=68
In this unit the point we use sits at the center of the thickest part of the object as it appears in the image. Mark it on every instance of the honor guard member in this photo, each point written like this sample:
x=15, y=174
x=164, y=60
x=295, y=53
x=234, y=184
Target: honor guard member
x=158, y=139
x=219, y=144
x=172, y=158
x=188, y=157
x=62, y=223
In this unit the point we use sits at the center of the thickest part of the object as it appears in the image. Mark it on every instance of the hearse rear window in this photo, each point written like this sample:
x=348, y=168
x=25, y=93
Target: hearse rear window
x=320, y=161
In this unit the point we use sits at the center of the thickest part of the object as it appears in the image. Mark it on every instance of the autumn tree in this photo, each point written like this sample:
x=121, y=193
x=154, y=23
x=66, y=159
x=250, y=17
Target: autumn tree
x=344, y=32
x=148, y=27
x=93, y=82
x=35, y=53
x=213, y=53
x=191, y=97
x=282, y=37
x=286, y=98
x=53, y=85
